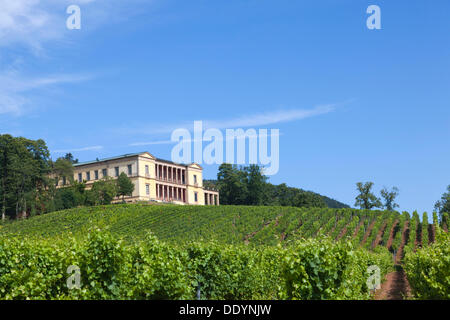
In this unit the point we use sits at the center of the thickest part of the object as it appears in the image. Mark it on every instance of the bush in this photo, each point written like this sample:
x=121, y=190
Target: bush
x=150, y=269
x=428, y=269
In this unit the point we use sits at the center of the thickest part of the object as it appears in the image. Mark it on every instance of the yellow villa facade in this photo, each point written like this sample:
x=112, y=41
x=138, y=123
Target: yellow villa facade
x=154, y=179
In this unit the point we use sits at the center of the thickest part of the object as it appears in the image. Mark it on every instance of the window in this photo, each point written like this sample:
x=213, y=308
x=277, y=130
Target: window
x=129, y=170
x=147, y=189
x=96, y=174
x=104, y=173
x=88, y=175
x=80, y=177
x=195, y=196
x=116, y=169
x=195, y=178
x=147, y=172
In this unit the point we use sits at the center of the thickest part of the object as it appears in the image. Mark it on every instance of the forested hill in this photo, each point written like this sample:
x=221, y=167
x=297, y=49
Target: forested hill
x=286, y=196
x=332, y=203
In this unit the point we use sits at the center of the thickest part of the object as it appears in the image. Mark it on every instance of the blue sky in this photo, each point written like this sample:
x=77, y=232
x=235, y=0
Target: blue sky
x=138, y=69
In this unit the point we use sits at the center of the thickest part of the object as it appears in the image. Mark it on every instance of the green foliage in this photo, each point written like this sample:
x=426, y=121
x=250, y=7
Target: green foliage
x=24, y=166
x=321, y=269
x=389, y=198
x=366, y=199
x=226, y=224
x=413, y=228
x=404, y=217
x=102, y=192
x=62, y=169
x=443, y=205
x=232, y=183
x=125, y=186
x=428, y=269
x=425, y=226
x=150, y=269
x=248, y=186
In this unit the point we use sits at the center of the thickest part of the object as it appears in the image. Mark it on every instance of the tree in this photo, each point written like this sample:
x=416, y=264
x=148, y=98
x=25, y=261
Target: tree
x=389, y=198
x=102, y=192
x=443, y=206
x=366, y=199
x=231, y=184
x=63, y=169
x=24, y=167
x=69, y=157
x=308, y=200
x=125, y=186
x=255, y=181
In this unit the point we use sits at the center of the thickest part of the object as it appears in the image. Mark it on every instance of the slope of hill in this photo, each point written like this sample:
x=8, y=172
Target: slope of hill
x=226, y=224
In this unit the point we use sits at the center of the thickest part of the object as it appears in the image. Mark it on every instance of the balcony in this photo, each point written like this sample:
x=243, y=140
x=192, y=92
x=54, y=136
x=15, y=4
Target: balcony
x=171, y=180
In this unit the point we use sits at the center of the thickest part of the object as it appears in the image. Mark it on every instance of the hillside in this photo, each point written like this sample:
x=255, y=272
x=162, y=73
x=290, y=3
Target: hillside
x=226, y=224
x=34, y=253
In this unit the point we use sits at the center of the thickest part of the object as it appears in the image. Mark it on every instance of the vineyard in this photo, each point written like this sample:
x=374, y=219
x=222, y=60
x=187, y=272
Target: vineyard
x=226, y=252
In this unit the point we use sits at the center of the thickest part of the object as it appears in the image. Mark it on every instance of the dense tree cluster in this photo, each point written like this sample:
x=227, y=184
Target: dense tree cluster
x=24, y=167
x=248, y=186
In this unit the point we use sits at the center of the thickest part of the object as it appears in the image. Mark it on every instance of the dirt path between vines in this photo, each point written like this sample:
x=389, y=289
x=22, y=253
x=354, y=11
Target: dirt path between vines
x=358, y=227
x=431, y=233
x=391, y=235
x=379, y=235
x=396, y=285
x=342, y=233
x=369, y=230
x=405, y=236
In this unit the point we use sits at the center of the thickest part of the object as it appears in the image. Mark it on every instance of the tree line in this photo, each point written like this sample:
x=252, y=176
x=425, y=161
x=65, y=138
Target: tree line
x=29, y=180
x=247, y=185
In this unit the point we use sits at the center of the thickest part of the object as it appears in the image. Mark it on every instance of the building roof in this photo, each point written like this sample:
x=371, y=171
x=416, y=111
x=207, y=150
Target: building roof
x=128, y=155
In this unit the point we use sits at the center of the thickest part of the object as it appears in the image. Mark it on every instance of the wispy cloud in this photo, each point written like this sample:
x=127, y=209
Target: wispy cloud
x=245, y=121
x=14, y=88
x=150, y=143
x=269, y=118
x=91, y=148
x=32, y=23
x=226, y=138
